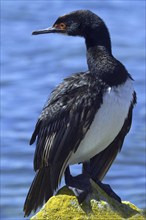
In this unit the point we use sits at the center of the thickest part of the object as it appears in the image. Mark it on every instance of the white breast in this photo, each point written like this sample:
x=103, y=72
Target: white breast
x=107, y=123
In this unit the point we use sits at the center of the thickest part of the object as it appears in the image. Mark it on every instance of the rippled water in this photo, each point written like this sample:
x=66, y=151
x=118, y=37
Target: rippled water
x=33, y=65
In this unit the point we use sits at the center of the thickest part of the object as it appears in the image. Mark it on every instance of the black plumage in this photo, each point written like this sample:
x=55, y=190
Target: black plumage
x=72, y=107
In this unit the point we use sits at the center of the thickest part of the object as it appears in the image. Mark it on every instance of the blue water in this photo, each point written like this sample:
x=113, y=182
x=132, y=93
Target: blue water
x=33, y=65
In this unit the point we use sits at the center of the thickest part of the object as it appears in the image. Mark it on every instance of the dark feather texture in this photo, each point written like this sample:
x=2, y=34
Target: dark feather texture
x=60, y=128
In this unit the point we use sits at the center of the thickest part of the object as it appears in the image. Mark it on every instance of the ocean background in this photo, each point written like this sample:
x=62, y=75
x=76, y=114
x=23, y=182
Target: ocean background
x=31, y=66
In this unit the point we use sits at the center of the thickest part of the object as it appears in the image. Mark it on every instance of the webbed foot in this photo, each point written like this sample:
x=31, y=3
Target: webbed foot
x=80, y=185
x=108, y=190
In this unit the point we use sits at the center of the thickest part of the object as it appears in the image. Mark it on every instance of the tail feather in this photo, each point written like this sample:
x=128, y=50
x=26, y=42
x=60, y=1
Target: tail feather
x=39, y=191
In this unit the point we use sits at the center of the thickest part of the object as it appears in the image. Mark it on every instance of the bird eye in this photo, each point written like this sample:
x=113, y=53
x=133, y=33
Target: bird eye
x=62, y=26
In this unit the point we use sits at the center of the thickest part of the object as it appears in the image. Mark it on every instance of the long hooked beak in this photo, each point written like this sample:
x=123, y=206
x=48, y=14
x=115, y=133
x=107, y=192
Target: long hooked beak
x=48, y=30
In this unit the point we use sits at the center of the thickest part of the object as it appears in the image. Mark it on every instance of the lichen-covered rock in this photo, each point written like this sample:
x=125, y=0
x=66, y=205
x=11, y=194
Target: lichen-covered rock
x=98, y=205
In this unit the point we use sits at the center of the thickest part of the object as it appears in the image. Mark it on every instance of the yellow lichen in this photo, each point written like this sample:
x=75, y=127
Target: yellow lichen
x=98, y=205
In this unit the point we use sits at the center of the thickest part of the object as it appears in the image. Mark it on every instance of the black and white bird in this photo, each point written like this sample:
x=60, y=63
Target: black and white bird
x=86, y=117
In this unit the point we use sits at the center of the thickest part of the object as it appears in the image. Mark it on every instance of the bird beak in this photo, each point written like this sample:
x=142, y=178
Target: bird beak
x=48, y=30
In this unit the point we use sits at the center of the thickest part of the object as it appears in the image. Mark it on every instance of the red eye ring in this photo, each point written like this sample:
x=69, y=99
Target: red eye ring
x=61, y=26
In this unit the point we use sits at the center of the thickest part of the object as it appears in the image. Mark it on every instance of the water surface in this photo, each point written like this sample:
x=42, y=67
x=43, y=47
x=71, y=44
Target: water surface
x=33, y=65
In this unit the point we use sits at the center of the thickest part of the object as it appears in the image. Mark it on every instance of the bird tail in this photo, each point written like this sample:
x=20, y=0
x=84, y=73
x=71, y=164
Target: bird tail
x=39, y=191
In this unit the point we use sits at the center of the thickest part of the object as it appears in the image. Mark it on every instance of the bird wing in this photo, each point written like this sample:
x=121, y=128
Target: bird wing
x=64, y=122
x=100, y=164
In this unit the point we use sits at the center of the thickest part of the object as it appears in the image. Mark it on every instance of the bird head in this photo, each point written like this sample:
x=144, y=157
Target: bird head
x=83, y=23
x=77, y=23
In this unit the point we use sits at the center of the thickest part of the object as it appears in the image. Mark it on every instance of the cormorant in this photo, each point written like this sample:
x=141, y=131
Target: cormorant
x=86, y=117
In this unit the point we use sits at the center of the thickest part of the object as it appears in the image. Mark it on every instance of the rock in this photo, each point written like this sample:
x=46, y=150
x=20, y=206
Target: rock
x=98, y=205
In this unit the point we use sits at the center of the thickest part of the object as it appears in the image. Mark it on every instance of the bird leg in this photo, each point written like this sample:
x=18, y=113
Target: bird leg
x=105, y=187
x=80, y=185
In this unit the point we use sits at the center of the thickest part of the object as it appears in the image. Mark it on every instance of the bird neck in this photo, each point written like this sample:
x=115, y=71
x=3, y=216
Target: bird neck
x=104, y=66
x=98, y=37
x=97, y=59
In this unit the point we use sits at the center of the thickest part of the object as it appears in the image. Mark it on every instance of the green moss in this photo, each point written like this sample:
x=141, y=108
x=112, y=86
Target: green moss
x=98, y=205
